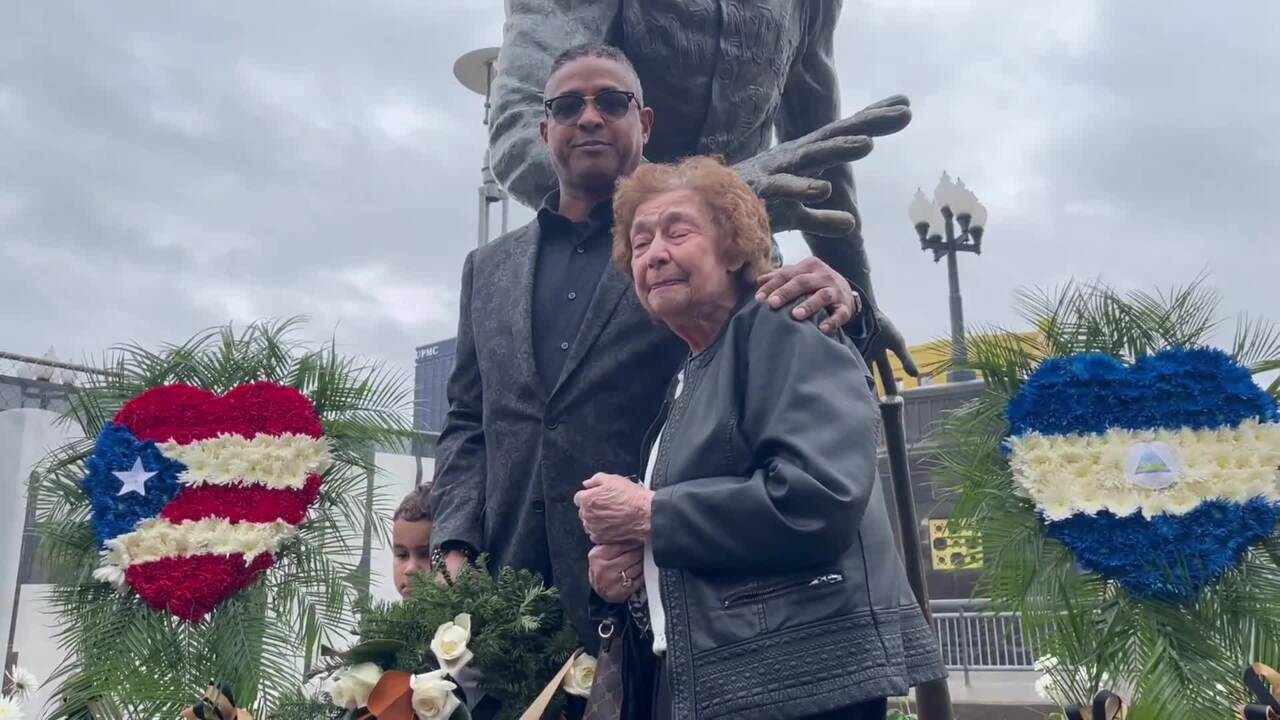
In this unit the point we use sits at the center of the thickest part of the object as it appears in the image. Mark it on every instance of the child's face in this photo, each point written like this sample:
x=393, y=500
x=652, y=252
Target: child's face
x=411, y=547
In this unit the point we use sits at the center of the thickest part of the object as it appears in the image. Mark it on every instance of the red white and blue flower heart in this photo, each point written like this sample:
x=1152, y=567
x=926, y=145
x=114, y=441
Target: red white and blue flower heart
x=192, y=494
x=1158, y=475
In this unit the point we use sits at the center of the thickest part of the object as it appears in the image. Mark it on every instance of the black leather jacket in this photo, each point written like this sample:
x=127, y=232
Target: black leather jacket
x=783, y=588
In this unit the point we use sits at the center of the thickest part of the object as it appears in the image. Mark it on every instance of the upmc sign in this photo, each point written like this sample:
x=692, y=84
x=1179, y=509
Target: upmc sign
x=431, y=377
x=444, y=348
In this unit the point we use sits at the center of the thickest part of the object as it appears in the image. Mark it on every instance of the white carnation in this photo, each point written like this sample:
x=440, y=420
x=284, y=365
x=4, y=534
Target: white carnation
x=10, y=709
x=24, y=682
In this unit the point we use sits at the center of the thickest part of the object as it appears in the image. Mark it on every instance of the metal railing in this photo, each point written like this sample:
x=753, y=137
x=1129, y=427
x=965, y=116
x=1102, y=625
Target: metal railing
x=45, y=383
x=972, y=637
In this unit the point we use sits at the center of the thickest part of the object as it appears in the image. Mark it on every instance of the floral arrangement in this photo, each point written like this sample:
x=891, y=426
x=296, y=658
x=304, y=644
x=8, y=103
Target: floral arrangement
x=21, y=684
x=1157, y=475
x=206, y=533
x=502, y=635
x=191, y=493
x=1123, y=474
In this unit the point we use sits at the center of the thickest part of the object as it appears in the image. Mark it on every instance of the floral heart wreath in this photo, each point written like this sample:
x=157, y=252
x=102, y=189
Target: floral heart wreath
x=192, y=494
x=1157, y=475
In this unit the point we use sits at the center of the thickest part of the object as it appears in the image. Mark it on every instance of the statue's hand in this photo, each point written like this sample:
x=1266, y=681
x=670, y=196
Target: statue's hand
x=787, y=176
x=891, y=340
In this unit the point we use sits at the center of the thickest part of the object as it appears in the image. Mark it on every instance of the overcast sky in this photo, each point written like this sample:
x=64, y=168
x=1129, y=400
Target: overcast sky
x=165, y=167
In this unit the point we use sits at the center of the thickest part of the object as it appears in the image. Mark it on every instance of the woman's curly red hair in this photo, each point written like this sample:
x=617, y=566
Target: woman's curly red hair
x=738, y=213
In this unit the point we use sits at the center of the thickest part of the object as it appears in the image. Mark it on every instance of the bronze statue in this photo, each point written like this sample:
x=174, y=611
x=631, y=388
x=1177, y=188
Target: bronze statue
x=723, y=77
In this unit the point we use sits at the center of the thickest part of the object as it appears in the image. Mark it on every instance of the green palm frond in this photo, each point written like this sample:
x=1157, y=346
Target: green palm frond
x=134, y=662
x=1177, y=662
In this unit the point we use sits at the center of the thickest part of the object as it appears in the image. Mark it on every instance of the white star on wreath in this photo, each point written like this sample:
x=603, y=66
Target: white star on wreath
x=134, y=479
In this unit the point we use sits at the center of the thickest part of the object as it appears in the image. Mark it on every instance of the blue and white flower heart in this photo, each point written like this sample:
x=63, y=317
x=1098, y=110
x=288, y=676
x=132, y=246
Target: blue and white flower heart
x=1157, y=475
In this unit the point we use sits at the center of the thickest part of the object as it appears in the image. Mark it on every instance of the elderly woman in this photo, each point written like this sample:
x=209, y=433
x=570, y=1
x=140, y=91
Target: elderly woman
x=757, y=536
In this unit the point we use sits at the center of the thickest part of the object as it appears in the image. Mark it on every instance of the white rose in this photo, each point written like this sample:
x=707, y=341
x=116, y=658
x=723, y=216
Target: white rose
x=433, y=697
x=581, y=676
x=353, y=687
x=450, y=644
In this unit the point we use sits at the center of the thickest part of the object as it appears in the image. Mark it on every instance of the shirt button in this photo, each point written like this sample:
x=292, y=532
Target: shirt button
x=573, y=296
x=581, y=249
x=552, y=424
x=564, y=346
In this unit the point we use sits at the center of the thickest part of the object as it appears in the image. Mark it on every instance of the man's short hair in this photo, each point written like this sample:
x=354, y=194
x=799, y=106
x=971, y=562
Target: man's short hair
x=599, y=50
x=416, y=506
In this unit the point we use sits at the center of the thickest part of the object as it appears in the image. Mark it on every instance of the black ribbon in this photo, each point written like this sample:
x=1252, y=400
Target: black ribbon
x=215, y=704
x=1106, y=706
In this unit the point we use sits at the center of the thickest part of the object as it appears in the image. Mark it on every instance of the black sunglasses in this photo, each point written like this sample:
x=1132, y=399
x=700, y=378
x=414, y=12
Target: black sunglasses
x=611, y=104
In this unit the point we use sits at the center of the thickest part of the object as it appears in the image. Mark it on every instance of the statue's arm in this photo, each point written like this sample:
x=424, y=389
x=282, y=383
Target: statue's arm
x=811, y=100
x=811, y=95
x=536, y=32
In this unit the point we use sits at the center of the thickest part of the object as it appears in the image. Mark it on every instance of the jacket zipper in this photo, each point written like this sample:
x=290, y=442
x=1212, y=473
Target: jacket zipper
x=758, y=595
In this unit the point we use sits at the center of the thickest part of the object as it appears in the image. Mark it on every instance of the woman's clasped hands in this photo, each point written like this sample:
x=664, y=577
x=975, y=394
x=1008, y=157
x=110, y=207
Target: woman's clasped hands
x=615, y=513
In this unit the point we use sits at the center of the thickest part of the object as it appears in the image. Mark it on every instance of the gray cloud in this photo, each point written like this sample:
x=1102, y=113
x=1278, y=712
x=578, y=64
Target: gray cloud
x=168, y=167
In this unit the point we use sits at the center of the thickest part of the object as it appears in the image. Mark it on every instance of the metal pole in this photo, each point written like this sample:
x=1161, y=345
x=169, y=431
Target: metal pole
x=933, y=698
x=958, y=354
x=484, y=217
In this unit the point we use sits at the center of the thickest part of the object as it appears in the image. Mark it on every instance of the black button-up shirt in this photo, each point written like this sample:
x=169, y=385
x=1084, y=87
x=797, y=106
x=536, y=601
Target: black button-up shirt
x=572, y=257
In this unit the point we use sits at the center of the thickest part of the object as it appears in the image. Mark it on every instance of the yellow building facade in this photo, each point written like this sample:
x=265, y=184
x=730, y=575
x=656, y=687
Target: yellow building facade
x=931, y=357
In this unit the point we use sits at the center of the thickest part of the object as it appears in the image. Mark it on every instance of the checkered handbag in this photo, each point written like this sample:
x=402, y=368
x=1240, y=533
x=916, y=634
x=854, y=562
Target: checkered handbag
x=607, y=691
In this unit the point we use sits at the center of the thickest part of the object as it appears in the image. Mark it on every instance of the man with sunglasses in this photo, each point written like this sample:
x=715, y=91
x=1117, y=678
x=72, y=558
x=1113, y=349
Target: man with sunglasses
x=559, y=371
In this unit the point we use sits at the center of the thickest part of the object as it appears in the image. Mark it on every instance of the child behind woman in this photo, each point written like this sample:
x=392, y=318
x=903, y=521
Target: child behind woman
x=411, y=537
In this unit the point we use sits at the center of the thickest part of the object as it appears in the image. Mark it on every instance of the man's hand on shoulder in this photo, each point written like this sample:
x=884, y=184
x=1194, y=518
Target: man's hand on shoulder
x=826, y=289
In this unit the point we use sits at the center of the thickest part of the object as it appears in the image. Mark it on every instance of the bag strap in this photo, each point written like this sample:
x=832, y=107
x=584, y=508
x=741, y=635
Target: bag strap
x=543, y=701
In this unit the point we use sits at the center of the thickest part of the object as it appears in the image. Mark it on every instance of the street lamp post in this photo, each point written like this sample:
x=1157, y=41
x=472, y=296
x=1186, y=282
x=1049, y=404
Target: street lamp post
x=475, y=71
x=954, y=206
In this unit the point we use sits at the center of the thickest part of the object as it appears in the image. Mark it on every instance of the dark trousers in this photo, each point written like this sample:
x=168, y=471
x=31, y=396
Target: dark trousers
x=877, y=709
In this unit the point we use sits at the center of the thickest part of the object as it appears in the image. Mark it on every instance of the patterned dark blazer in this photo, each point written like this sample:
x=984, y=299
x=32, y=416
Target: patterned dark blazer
x=511, y=456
